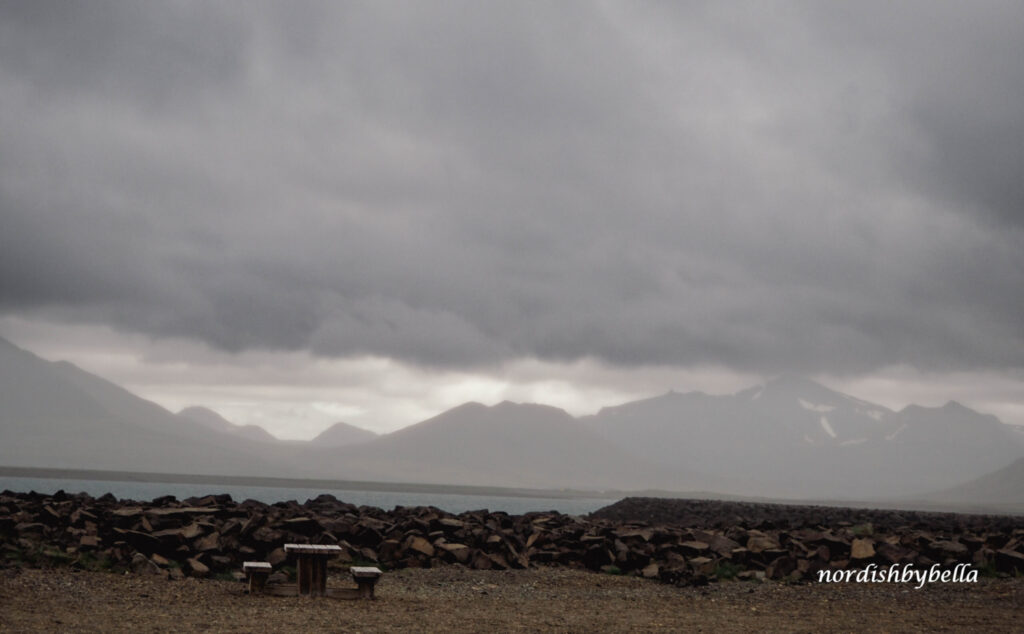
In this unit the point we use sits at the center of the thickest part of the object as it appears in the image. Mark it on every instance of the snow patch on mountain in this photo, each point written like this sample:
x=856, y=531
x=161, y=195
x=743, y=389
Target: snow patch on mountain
x=898, y=431
x=815, y=408
x=827, y=426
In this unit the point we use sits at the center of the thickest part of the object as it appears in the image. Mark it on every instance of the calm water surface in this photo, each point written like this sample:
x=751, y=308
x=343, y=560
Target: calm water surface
x=453, y=503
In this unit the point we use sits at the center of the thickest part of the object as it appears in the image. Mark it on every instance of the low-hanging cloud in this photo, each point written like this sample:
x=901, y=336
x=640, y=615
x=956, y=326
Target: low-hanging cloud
x=795, y=187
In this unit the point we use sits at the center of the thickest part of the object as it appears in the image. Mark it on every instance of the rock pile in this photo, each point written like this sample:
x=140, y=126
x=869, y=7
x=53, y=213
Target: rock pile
x=214, y=535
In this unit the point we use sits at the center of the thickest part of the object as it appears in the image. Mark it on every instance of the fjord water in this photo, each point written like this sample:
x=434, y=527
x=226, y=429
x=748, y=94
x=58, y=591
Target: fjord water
x=451, y=502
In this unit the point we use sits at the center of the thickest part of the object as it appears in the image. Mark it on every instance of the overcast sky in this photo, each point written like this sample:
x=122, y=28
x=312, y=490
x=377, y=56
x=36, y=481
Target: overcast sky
x=301, y=212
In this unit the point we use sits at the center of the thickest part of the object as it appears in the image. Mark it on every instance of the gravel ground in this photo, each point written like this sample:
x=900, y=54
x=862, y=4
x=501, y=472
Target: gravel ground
x=453, y=599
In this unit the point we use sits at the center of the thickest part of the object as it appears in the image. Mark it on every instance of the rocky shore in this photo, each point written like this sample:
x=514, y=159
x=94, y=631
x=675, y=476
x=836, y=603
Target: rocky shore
x=681, y=542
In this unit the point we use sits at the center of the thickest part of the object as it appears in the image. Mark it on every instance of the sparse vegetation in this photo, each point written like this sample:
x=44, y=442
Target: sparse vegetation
x=93, y=562
x=988, y=569
x=727, y=570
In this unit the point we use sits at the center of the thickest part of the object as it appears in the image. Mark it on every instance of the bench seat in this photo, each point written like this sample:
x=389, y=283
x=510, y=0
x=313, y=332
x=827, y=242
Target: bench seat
x=257, y=572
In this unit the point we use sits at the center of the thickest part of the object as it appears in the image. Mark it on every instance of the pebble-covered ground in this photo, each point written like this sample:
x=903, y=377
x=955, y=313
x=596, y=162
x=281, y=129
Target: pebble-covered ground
x=456, y=599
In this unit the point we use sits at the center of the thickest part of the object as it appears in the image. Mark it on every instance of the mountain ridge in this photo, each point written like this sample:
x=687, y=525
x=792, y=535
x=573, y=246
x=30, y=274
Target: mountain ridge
x=790, y=438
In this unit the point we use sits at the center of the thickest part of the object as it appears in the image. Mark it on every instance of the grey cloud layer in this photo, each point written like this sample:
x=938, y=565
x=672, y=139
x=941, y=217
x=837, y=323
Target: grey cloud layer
x=794, y=187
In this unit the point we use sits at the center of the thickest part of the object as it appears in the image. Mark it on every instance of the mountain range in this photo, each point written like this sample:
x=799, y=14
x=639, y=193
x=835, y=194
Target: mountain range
x=790, y=438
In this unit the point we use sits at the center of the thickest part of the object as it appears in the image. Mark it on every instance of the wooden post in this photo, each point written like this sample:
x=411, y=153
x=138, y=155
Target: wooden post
x=311, y=566
x=303, y=572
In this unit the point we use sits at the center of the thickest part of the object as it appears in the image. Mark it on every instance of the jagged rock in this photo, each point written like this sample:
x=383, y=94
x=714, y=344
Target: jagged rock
x=220, y=562
x=142, y=542
x=129, y=512
x=650, y=571
x=643, y=534
x=702, y=565
x=694, y=548
x=368, y=554
x=302, y=526
x=456, y=552
x=192, y=531
x=770, y=555
x=894, y=553
x=419, y=545
x=757, y=542
x=277, y=557
x=719, y=544
x=197, y=568
x=160, y=560
x=267, y=535
x=862, y=549
x=210, y=500
x=49, y=515
x=33, y=529
x=141, y=565
x=80, y=516
x=781, y=568
x=494, y=540
x=1009, y=561
x=178, y=512
x=948, y=549
x=207, y=543
x=777, y=543
x=169, y=538
x=451, y=523
x=597, y=556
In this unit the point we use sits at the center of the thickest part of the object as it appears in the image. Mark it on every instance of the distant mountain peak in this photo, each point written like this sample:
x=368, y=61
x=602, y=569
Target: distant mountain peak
x=341, y=434
x=790, y=381
x=211, y=419
x=207, y=417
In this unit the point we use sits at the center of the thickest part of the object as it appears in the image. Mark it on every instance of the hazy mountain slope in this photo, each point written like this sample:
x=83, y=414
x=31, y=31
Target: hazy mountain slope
x=342, y=434
x=56, y=415
x=207, y=417
x=790, y=438
x=945, y=446
x=211, y=419
x=796, y=438
x=1004, y=487
x=505, y=445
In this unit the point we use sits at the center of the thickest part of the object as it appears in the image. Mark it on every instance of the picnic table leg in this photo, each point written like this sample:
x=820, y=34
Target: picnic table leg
x=319, y=581
x=304, y=572
x=365, y=587
x=257, y=581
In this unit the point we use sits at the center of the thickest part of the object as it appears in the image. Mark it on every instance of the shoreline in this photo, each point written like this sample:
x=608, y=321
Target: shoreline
x=301, y=483
x=101, y=475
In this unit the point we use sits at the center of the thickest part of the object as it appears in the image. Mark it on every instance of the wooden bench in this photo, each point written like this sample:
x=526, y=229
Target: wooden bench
x=257, y=572
x=311, y=566
x=366, y=578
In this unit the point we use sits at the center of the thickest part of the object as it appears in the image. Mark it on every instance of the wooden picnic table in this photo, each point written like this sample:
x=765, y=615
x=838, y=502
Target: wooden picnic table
x=311, y=566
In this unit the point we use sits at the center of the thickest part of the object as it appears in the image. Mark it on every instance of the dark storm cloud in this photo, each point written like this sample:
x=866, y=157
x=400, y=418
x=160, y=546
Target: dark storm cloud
x=794, y=187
